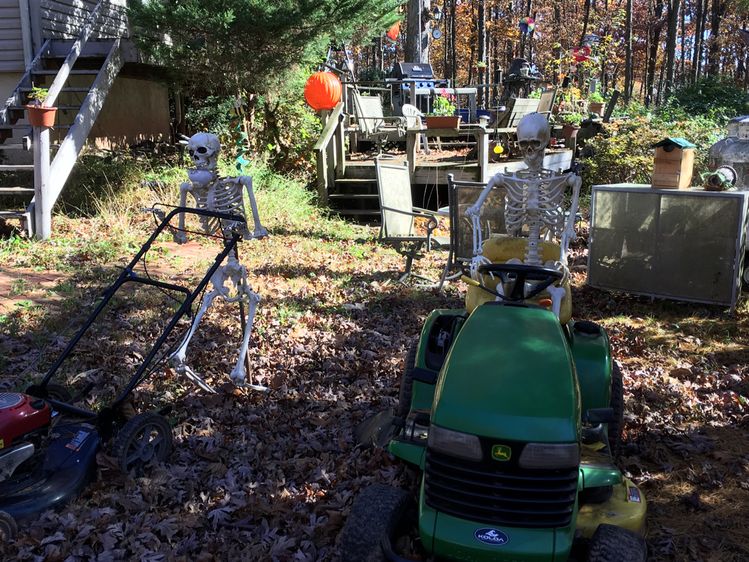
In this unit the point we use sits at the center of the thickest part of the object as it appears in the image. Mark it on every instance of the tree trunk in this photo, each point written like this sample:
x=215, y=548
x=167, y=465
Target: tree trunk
x=682, y=69
x=481, y=55
x=418, y=31
x=699, y=31
x=713, y=64
x=673, y=26
x=654, y=37
x=586, y=18
x=628, y=52
x=454, y=65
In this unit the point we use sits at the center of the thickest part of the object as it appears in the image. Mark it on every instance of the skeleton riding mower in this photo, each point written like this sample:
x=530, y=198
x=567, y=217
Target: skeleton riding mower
x=511, y=410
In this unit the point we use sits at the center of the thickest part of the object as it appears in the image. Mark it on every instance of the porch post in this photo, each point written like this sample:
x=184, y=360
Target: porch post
x=42, y=203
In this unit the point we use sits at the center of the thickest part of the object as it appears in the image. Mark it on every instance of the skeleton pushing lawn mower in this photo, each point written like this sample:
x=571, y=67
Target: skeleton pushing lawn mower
x=48, y=444
x=511, y=410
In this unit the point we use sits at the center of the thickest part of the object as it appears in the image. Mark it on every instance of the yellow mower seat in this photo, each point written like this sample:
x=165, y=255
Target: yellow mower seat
x=500, y=249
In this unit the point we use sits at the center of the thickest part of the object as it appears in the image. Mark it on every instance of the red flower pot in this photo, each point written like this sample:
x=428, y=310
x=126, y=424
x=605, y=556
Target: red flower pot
x=41, y=116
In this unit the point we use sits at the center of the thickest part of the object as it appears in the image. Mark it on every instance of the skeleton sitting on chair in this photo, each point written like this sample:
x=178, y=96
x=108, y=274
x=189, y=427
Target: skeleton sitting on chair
x=533, y=216
x=224, y=195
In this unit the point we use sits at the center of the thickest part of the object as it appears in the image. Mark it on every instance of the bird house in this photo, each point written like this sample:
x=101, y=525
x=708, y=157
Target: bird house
x=674, y=163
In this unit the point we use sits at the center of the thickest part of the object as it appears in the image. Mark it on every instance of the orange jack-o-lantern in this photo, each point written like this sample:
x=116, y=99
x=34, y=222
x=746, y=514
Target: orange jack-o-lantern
x=322, y=91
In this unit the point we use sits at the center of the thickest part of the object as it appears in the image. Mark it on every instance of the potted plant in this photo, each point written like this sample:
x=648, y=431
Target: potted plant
x=596, y=103
x=39, y=115
x=570, y=125
x=443, y=114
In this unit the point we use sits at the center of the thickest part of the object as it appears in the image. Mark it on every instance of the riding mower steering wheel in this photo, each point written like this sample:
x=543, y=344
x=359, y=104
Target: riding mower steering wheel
x=519, y=274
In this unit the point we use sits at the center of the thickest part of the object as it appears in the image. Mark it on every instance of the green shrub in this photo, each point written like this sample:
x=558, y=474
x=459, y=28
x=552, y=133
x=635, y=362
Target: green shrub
x=717, y=97
x=624, y=154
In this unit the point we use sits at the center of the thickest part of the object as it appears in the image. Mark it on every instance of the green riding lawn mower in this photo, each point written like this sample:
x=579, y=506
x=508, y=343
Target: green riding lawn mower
x=514, y=420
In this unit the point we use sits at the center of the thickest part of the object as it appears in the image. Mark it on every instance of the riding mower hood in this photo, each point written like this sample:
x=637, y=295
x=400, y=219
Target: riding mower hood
x=512, y=413
x=48, y=445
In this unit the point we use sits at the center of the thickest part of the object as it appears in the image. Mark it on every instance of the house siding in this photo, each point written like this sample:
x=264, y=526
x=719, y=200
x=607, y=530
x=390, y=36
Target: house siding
x=11, y=40
x=63, y=19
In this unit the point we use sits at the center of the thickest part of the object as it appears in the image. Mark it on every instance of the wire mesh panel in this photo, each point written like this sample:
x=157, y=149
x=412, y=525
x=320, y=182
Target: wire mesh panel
x=463, y=194
x=680, y=244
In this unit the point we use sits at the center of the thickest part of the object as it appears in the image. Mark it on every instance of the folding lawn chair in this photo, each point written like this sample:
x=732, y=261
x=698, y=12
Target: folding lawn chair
x=372, y=123
x=398, y=213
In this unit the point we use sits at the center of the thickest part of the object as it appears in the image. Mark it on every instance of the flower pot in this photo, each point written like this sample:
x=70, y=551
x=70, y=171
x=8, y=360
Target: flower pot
x=41, y=116
x=443, y=121
x=569, y=132
x=596, y=107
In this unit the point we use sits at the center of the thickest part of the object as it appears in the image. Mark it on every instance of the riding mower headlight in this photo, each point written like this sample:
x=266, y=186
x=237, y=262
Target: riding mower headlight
x=550, y=455
x=454, y=443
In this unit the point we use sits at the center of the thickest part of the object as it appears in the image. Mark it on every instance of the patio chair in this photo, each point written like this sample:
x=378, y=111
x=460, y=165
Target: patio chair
x=461, y=195
x=520, y=108
x=398, y=214
x=413, y=121
x=546, y=102
x=372, y=123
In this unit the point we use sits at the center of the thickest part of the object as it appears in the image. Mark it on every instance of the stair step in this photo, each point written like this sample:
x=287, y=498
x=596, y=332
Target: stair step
x=71, y=89
x=12, y=214
x=60, y=107
x=15, y=190
x=355, y=180
x=72, y=72
x=13, y=146
x=360, y=212
x=15, y=167
x=353, y=196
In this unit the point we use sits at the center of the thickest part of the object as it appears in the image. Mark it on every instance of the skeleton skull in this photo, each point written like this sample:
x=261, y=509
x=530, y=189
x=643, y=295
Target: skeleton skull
x=533, y=137
x=203, y=149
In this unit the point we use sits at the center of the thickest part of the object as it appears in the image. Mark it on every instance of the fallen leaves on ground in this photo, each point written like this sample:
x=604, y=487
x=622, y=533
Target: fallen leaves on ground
x=271, y=476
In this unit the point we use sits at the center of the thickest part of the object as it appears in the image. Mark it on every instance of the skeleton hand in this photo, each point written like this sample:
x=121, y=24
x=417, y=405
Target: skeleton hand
x=477, y=262
x=473, y=211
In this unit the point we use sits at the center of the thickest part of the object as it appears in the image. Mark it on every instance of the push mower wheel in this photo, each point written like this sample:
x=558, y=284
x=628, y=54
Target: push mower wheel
x=8, y=527
x=616, y=402
x=59, y=392
x=144, y=439
x=407, y=382
x=376, y=514
x=616, y=544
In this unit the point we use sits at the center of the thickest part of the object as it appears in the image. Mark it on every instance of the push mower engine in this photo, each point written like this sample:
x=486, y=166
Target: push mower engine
x=23, y=419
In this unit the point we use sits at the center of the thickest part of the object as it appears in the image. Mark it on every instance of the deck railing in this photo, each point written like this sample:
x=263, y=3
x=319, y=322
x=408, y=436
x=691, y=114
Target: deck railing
x=330, y=152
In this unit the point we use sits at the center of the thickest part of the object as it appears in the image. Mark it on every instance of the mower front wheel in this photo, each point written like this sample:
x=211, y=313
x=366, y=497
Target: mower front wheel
x=8, y=527
x=375, y=516
x=144, y=439
x=616, y=544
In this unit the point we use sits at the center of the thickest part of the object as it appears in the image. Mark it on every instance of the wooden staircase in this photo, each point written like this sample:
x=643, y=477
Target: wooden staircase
x=35, y=163
x=355, y=195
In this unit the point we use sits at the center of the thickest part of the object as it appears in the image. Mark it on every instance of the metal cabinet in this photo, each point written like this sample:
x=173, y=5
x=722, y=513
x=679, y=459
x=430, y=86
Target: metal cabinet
x=678, y=244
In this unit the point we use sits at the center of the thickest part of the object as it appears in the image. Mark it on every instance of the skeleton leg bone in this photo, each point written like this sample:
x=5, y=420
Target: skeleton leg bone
x=178, y=359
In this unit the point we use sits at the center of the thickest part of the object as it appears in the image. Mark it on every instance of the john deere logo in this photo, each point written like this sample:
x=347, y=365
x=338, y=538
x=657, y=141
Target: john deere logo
x=501, y=453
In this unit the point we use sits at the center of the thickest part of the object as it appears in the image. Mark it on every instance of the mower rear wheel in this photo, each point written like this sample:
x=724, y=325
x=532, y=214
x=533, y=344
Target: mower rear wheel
x=375, y=516
x=616, y=544
x=144, y=439
x=616, y=402
x=59, y=392
x=407, y=382
x=8, y=527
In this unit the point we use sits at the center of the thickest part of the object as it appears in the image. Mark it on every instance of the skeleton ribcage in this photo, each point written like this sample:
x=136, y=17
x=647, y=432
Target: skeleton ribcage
x=224, y=196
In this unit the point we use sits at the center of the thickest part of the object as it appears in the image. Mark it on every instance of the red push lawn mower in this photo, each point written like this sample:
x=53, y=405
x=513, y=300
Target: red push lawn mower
x=48, y=445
